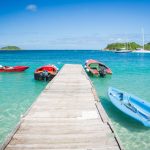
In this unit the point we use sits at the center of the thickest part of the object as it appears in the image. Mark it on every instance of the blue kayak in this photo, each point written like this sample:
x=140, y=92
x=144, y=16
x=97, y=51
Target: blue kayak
x=131, y=105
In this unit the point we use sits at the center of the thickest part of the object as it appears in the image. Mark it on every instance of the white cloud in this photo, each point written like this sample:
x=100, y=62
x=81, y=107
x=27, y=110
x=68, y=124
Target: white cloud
x=32, y=7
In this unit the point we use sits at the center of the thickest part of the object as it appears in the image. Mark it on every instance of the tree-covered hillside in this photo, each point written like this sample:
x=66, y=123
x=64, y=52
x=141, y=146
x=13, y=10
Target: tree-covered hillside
x=147, y=46
x=10, y=48
x=120, y=46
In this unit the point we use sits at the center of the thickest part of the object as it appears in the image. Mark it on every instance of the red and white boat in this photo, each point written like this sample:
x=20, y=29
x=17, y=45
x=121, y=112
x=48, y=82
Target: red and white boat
x=97, y=68
x=13, y=68
x=45, y=72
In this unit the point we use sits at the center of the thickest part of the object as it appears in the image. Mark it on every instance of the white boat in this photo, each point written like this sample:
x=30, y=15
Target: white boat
x=142, y=50
x=131, y=105
x=123, y=51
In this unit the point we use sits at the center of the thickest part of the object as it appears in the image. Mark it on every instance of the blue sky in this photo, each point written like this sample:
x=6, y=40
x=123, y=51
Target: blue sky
x=72, y=24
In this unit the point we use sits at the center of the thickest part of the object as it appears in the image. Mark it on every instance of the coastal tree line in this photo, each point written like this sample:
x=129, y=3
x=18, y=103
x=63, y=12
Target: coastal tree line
x=10, y=48
x=112, y=46
x=129, y=46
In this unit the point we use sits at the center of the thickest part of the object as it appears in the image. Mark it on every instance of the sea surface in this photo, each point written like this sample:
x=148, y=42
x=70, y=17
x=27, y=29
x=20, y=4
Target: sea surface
x=131, y=73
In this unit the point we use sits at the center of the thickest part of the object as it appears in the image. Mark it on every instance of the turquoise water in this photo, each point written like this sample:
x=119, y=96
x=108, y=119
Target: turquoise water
x=130, y=73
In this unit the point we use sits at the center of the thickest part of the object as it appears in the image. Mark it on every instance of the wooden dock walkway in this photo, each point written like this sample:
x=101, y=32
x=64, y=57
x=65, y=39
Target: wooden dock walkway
x=66, y=116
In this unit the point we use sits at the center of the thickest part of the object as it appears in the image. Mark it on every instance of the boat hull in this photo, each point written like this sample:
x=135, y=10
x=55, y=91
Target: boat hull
x=45, y=73
x=141, y=51
x=13, y=69
x=42, y=77
x=100, y=69
x=123, y=51
x=130, y=105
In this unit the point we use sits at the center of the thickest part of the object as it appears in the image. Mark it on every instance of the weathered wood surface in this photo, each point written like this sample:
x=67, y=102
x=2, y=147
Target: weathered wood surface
x=66, y=116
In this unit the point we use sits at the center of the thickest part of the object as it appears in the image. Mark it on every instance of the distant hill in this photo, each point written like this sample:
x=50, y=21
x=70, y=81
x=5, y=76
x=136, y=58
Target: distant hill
x=120, y=46
x=147, y=46
x=10, y=48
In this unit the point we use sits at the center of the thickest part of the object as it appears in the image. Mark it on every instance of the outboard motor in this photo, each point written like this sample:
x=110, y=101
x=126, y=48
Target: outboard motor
x=45, y=75
x=102, y=72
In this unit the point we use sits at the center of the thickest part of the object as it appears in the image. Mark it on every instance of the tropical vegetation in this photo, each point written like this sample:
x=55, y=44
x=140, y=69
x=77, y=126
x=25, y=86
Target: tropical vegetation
x=10, y=48
x=120, y=46
x=147, y=46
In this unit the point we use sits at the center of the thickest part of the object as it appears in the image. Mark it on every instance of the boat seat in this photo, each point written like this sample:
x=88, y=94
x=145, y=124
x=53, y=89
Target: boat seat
x=121, y=97
x=95, y=66
x=136, y=109
x=145, y=114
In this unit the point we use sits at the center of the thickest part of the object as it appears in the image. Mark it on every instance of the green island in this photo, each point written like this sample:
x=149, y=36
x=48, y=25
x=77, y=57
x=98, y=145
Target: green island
x=147, y=46
x=130, y=46
x=10, y=48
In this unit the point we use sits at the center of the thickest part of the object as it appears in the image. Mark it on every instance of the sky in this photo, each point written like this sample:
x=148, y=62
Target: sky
x=72, y=24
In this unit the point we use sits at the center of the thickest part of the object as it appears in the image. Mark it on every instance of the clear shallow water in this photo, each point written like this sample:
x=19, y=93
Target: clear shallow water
x=130, y=73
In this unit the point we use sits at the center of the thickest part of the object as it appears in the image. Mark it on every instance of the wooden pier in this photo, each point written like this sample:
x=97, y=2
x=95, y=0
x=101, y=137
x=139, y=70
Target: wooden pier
x=66, y=116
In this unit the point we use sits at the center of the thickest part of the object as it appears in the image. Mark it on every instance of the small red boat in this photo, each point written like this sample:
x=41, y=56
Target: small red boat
x=45, y=72
x=13, y=69
x=97, y=68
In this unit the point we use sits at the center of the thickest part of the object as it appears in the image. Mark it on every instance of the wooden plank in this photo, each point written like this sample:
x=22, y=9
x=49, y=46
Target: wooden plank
x=66, y=116
x=73, y=146
x=63, y=130
x=59, y=120
x=60, y=139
